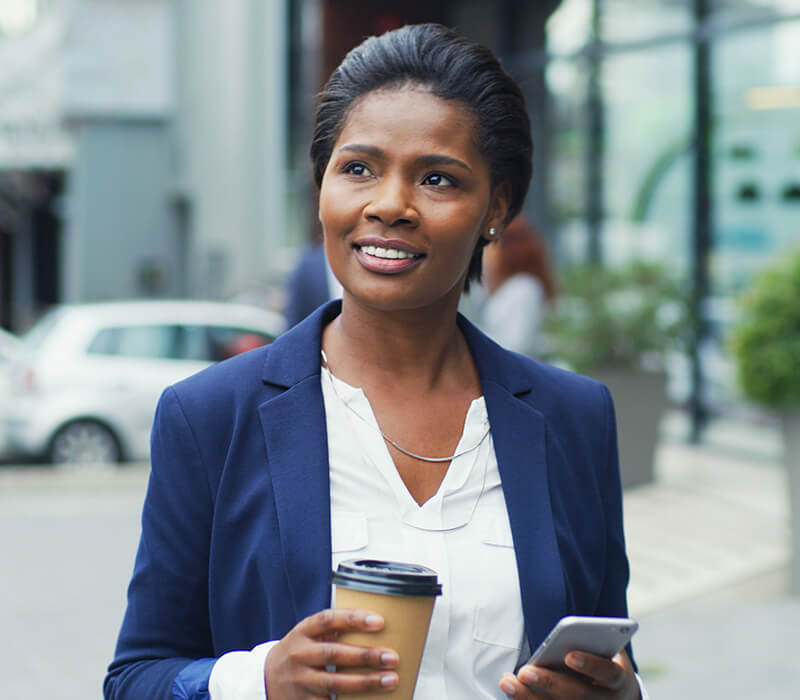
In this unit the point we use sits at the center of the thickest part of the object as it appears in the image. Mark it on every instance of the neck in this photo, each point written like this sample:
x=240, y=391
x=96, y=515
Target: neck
x=411, y=347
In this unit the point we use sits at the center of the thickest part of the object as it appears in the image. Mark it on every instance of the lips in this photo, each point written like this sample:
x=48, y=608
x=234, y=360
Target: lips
x=387, y=244
x=387, y=253
x=387, y=256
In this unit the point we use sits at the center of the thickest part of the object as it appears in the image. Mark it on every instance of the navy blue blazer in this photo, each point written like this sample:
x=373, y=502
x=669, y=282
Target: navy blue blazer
x=236, y=533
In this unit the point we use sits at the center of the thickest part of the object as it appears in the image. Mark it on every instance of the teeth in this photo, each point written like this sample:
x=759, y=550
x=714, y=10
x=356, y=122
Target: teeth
x=387, y=253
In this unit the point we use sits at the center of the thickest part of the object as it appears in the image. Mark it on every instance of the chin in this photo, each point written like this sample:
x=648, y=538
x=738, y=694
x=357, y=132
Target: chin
x=407, y=300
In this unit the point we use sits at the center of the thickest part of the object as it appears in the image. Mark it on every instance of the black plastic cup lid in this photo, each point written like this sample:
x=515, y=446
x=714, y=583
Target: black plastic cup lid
x=387, y=577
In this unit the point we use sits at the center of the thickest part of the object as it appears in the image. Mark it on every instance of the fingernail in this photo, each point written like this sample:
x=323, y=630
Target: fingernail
x=577, y=660
x=389, y=658
x=508, y=688
x=388, y=680
x=528, y=675
x=373, y=620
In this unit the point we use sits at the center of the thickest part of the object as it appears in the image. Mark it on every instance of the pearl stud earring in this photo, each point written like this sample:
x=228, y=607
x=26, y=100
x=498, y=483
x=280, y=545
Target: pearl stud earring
x=492, y=232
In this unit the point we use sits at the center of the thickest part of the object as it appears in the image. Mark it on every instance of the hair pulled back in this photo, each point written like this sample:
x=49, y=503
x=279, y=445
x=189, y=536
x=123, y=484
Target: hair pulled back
x=452, y=68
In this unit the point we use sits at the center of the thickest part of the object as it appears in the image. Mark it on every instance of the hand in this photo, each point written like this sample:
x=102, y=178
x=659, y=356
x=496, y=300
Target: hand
x=601, y=679
x=295, y=667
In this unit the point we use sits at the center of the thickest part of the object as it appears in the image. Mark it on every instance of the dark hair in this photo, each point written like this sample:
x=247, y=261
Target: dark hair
x=452, y=68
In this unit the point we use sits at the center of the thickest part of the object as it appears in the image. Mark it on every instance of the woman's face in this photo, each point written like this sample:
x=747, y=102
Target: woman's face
x=404, y=199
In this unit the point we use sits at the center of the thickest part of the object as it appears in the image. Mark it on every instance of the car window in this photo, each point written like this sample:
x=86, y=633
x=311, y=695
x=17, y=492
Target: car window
x=227, y=341
x=155, y=341
x=105, y=342
x=194, y=344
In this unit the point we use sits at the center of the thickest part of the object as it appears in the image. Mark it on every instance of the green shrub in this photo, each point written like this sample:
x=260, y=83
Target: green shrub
x=766, y=340
x=624, y=317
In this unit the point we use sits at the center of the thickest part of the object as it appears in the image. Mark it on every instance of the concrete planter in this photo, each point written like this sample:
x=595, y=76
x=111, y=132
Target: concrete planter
x=790, y=423
x=640, y=399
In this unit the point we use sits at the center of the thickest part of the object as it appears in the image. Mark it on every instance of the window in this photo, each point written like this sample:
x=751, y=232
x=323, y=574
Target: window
x=226, y=342
x=195, y=342
x=155, y=341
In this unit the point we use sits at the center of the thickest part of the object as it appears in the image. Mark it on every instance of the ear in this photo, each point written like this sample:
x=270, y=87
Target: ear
x=498, y=211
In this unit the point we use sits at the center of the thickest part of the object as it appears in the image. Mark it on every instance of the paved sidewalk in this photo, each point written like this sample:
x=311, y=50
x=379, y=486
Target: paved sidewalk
x=710, y=521
x=709, y=544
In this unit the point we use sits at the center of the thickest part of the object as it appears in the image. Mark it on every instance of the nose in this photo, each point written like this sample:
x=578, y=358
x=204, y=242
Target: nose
x=392, y=203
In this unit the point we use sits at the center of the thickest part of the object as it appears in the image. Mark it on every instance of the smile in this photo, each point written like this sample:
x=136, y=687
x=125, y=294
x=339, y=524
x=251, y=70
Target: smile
x=388, y=253
x=390, y=257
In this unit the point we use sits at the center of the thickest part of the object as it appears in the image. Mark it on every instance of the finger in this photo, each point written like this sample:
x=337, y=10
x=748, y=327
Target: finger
x=554, y=684
x=326, y=683
x=322, y=654
x=331, y=620
x=514, y=688
x=606, y=673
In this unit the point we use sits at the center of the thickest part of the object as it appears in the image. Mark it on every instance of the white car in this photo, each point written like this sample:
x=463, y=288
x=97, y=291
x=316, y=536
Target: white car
x=9, y=347
x=86, y=382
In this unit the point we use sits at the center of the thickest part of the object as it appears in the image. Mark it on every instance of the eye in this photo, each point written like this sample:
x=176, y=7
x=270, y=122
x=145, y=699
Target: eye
x=439, y=180
x=357, y=169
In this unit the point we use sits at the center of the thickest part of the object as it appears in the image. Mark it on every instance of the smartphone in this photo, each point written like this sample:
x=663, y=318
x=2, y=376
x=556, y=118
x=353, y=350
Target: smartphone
x=602, y=636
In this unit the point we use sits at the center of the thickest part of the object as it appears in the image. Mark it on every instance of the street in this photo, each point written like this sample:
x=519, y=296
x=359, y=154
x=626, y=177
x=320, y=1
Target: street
x=67, y=542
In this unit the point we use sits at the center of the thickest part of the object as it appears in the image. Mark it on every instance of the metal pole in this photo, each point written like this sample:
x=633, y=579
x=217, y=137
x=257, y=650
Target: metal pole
x=595, y=150
x=702, y=207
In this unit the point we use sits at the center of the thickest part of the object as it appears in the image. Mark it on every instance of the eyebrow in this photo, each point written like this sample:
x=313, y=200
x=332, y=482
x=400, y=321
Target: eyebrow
x=430, y=159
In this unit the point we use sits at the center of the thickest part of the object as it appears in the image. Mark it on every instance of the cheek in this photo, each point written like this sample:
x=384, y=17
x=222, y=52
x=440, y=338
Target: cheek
x=335, y=209
x=461, y=230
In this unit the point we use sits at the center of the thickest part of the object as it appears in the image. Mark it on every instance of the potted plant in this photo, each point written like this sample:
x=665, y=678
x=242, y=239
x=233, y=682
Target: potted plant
x=766, y=349
x=616, y=324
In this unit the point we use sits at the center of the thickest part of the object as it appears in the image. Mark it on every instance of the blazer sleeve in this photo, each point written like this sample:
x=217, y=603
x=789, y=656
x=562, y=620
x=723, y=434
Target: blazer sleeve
x=164, y=647
x=613, y=601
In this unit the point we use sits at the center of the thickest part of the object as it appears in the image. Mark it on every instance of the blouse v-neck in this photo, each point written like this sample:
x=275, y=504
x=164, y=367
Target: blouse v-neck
x=455, y=499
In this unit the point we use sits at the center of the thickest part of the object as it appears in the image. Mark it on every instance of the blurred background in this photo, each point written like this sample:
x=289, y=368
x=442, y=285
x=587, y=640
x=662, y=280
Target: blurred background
x=157, y=150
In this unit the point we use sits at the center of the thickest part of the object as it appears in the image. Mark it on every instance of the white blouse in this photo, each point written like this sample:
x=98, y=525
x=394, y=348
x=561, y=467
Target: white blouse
x=463, y=533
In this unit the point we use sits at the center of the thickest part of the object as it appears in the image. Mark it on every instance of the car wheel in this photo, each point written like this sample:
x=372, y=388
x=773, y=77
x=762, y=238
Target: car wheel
x=84, y=442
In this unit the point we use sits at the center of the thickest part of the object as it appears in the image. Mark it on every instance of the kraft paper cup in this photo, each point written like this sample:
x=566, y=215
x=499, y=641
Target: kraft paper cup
x=403, y=594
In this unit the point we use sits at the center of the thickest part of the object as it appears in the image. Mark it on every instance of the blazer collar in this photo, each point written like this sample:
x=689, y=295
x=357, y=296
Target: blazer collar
x=295, y=355
x=495, y=364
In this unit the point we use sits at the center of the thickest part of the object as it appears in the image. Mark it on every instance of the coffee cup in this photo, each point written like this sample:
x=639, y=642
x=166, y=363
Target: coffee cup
x=403, y=594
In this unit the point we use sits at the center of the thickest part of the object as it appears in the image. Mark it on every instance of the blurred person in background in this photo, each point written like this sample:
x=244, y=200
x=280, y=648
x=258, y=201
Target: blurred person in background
x=384, y=426
x=518, y=277
x=310, y=285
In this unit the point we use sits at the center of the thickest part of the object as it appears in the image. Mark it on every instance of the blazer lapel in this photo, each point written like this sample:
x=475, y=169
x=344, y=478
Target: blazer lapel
x=297, y=451
x=293, y=423
x=519, y=432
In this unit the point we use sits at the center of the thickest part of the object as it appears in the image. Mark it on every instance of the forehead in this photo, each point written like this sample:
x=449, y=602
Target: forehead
x=412, y=116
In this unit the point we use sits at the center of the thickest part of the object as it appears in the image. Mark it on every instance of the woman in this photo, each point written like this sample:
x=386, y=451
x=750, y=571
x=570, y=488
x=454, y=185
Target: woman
x=519, y=280
x=384, y=426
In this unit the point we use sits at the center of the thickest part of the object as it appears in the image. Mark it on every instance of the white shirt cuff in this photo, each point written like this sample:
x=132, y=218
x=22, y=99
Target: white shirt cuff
x=638, y=680
x=239, y=675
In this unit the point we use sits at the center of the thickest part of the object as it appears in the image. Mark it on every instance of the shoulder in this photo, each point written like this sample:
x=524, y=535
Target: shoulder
x=256, y=376
x=554, y=385
x=223, y=381
x=542, y=383
x=570, y=403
